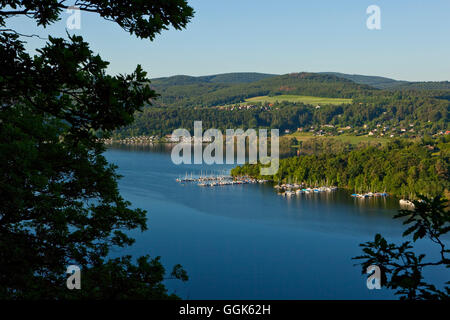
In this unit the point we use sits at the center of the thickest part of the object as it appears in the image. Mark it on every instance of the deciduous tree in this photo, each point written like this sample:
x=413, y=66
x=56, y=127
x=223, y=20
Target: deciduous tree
x=60, y=203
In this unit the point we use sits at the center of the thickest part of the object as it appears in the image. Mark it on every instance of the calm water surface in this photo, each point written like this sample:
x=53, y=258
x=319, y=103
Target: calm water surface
x=247, y=242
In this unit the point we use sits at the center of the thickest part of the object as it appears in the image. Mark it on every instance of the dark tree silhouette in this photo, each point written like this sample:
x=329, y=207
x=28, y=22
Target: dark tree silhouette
x=401, y=268
x=59, y=196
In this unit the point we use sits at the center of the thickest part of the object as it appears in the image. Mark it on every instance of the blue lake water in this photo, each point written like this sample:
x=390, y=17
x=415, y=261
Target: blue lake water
x=247, y=242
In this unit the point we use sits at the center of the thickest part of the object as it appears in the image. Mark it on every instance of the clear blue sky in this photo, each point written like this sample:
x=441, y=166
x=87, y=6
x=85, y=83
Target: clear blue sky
x=280, y=37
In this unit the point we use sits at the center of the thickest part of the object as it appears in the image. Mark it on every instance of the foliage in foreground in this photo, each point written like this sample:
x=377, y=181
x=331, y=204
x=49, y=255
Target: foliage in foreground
x=401, y=268
x=60, y=200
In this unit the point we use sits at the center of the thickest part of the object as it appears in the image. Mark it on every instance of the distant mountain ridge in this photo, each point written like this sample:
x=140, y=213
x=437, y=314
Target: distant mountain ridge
x=377, y=82
x=229, y=78
x=388, y=83
x=373, y=81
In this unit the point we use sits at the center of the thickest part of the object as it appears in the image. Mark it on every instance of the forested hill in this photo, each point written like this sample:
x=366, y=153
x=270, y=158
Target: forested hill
x=424, y=85
x=391, y=84
x=216, y=90
x=219, y=89
x=183, y=99
x=374, y=81
x=402, y=168
x=314, y=84
x=226, y=78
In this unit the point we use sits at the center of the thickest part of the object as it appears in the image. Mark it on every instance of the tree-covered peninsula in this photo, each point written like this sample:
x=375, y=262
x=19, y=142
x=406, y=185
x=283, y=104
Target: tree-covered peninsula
x=400, y=167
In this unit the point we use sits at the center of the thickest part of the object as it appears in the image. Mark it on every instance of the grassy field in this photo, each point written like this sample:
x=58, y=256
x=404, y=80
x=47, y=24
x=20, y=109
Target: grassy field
x=302, y=99
x=350, y=139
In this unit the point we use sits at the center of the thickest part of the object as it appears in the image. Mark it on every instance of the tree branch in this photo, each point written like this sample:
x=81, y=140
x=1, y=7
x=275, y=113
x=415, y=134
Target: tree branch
x=79, y=7
x=8, y=13
x=23, y=35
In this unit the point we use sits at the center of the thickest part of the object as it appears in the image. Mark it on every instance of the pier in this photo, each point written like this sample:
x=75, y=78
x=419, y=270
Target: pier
x=218, y=180
x=296, y=189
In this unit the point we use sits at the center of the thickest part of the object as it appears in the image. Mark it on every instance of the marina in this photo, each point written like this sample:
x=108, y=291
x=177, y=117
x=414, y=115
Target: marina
x=218, y=180
x=286, y=189
x=289, y=190
x=369, y=195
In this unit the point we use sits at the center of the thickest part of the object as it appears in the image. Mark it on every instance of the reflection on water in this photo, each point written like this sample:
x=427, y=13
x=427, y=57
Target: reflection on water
x=284, y=151
x=245, y=241
x=155, y=148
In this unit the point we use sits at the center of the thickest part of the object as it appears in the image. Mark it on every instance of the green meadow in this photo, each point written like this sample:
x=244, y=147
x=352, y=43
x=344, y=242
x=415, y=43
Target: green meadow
x=350, y=139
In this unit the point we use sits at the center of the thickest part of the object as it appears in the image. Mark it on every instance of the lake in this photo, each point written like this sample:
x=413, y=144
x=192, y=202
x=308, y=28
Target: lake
x=247, y=242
